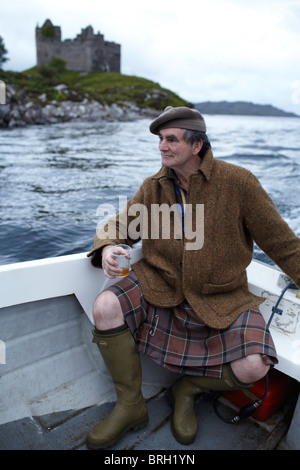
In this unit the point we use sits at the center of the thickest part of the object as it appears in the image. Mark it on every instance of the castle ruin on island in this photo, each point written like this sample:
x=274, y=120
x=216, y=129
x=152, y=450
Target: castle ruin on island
x=86, y=53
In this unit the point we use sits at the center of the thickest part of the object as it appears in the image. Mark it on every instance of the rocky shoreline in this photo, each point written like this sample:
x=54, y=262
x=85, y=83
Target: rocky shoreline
x=21, y=110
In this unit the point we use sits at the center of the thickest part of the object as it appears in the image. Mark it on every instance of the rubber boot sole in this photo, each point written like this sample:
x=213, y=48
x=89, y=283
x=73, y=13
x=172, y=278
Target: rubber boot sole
x=134, y=427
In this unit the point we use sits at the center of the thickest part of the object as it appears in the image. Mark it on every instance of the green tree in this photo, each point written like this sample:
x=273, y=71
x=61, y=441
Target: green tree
x=3, y=52
x=54, y=69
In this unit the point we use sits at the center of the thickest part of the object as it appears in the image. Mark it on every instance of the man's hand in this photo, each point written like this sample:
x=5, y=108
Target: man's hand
x=110, y=265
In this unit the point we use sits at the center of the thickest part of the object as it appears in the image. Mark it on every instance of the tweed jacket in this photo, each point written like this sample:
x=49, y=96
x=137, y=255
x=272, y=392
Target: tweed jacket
x=212, y=277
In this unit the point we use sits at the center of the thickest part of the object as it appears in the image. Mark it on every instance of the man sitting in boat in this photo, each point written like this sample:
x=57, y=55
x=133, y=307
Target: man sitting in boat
x=186, y=304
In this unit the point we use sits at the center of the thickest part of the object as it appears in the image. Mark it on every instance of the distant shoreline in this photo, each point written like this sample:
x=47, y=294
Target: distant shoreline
x=241, y=108
x=48, y=95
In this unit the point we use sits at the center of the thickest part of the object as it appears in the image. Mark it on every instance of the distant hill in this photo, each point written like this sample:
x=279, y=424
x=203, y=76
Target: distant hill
x=242, y=108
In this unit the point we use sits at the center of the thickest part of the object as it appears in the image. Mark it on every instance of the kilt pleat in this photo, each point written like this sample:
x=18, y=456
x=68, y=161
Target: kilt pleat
x=178, y=340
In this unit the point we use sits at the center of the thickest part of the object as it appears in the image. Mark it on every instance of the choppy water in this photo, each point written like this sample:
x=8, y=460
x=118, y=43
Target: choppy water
x=53, y=178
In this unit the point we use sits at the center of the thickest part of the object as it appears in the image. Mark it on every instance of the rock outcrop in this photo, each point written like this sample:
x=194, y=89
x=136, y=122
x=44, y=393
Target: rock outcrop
x=22, y=109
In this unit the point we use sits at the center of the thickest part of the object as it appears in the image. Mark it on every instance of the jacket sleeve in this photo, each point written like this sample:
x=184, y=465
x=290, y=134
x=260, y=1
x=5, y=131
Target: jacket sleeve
x=269, y=230
x=115, y=231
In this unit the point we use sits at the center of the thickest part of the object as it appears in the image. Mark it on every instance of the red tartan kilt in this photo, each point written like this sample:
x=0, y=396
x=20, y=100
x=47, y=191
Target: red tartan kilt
x=177, y=339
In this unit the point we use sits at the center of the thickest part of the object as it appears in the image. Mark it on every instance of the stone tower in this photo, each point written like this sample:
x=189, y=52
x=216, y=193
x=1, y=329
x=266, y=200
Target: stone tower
x=87, y=52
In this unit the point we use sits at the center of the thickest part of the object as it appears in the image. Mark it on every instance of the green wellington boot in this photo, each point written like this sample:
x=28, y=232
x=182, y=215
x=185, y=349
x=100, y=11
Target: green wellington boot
x=181, y=396
x=123, y=362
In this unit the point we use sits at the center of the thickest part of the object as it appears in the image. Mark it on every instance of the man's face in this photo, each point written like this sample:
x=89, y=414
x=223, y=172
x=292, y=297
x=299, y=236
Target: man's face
x=175, y=152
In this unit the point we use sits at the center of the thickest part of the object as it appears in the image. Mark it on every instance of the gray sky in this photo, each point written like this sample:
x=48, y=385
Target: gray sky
x=208, y=50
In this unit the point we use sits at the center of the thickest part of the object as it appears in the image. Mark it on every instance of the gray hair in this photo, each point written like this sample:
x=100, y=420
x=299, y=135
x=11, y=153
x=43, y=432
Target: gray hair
x=191, y=137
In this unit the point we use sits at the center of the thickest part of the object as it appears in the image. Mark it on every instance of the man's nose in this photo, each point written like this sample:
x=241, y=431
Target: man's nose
x=163, y=145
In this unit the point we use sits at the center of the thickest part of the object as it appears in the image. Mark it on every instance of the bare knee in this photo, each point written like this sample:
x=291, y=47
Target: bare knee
x=107, y=311
x=249, y=369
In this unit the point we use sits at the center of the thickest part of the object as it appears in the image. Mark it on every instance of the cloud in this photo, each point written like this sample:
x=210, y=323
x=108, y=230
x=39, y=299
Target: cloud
x=233, y=49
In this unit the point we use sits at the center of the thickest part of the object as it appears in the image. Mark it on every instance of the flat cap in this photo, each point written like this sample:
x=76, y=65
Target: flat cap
x=181, y=117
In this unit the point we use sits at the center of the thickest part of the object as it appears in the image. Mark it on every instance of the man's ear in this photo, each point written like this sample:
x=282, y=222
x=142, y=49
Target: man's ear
x=197, y=146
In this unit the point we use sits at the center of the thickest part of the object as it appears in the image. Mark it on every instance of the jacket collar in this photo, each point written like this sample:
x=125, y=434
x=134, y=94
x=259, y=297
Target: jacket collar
x=205, y=167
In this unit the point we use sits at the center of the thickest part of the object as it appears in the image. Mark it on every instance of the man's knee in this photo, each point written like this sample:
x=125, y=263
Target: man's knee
x=249, y=369
x=107, y=311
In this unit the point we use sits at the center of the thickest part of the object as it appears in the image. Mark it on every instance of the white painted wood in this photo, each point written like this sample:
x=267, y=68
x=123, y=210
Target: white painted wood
x=54, y=277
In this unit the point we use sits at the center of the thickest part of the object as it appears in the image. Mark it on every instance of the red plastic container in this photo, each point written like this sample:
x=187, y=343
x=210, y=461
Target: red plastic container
x=281, y=386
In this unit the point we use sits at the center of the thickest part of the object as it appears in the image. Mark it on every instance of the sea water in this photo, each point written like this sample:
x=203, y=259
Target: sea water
x=53, y=178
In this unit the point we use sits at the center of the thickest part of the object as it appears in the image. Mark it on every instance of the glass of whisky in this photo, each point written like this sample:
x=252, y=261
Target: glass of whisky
x=121, y=253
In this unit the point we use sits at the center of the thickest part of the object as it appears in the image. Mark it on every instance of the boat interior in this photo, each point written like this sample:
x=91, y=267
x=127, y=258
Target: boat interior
x=55, y=387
